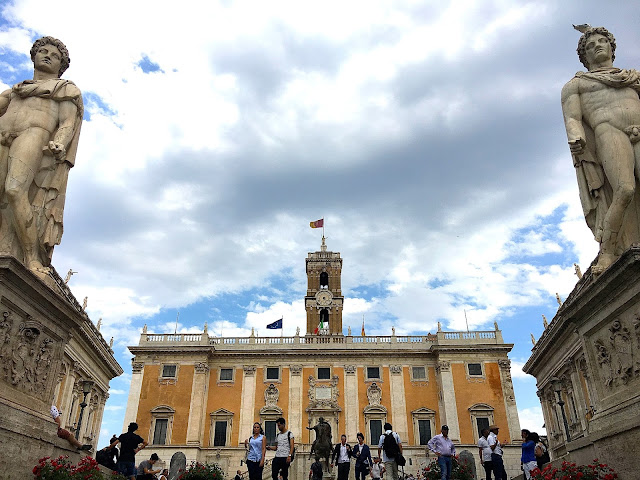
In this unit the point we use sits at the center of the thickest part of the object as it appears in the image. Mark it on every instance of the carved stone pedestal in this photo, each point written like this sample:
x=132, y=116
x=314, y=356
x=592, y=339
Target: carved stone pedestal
x=36, y=324
x=589, y=358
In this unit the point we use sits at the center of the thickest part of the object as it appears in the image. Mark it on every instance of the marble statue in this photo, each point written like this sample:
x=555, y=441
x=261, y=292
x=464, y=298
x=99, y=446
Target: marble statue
x=39, y=129
x=601, y=109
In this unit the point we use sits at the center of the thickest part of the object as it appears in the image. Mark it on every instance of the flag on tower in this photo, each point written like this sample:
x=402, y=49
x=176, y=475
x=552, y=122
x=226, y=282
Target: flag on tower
x=362, y=333
x=317, y=223
x=275, y=325
x=319, y=328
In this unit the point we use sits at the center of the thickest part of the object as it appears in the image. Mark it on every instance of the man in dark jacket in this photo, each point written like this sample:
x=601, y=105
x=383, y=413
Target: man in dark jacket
x=341, y=455
x=363, y=458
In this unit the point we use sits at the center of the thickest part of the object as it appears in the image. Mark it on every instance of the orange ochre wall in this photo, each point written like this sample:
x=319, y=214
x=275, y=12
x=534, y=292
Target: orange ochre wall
x=469, y=393
x=176, y=396
x=227, y=396
x=420, y=394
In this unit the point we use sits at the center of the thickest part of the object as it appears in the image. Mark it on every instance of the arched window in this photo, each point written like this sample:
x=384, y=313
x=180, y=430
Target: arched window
x=324, y=317
x=324, y=280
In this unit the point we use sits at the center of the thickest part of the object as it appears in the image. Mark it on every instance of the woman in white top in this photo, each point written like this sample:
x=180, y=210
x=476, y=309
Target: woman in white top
x=257, y=446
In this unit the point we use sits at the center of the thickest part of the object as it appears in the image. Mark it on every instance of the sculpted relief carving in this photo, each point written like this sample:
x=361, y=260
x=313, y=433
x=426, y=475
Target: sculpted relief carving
x=374, y=394
x=26, y=355
x=617, y=353
x=271, y=395
x=323, y=394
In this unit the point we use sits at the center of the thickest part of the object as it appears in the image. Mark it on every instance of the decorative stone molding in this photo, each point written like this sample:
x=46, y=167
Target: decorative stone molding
x=374, y=394
x=395, y=369
x=323, y=395
x=505, y=364
x=136, y=367
x=201, y=367
x=443, y=366
x=296, y=370
x=249, y=370
x=271, y=395
x=350, y=369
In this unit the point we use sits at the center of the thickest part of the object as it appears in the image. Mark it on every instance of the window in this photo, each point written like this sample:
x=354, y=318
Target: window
x=161, y=422
x=373, y=373
x=481, y=416
x=220, y=435
x=475, y=369
x=482, y=423
x=160, y=431
x=324, y=280
x=423, y=419
x=424, y=430
x=375, y=429
x=418, y=373
x=273, y=373
x=324, y=373
x=270, y=431
x=226, y=374
x=220, y=431
x=169, y=371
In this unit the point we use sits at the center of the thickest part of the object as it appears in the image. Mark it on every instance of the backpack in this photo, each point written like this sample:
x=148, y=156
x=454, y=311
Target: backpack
x=390, y=446
x=293, y=454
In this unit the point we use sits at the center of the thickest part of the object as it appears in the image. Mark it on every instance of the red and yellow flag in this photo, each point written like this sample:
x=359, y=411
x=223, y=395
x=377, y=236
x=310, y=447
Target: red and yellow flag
x=317, y=223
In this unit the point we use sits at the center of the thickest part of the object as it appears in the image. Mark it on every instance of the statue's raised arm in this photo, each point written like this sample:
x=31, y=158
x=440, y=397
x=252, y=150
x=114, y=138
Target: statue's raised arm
x=39, y=128
x=601, y=110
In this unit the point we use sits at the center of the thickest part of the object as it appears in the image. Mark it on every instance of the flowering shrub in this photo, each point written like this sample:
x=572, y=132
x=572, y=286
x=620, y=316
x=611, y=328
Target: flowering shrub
x=459, y=471
x=571, y=471
x=202, y=471
x=62, y=469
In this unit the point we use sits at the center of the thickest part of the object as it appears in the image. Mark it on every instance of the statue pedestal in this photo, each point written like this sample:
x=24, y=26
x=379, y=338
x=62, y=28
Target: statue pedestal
x=37, y=323
x=589, y=356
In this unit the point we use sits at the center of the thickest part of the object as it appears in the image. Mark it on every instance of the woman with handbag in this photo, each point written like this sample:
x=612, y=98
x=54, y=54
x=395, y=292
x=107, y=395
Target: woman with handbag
x=257, y=446
x=363, y=458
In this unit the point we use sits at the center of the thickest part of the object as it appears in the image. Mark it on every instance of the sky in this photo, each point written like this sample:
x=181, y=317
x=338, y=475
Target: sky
x=428, y=135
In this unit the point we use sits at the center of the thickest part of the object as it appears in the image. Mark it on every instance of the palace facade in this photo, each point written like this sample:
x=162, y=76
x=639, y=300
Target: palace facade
x=200, y=394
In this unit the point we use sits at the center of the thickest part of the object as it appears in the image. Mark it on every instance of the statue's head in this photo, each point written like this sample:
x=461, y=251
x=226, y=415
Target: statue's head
x=64, y=60
x=582, y=43
x=321, y=420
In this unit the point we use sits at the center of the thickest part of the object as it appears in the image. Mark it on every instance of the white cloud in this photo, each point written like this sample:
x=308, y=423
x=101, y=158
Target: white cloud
x=532, y=420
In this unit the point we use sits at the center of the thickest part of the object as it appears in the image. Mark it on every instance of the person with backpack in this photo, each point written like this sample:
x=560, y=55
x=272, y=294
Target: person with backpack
x=285, y=449
x=444, y=449
x=390, y=446
x=541, y=451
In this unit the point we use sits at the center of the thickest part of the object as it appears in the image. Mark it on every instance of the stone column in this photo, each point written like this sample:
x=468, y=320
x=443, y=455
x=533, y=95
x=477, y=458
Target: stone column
x=351, y=407
x=197, y=405
x=98, y=418
x=131, y=413
x=513, y=421
x=295, y=401
x=448, y=412
x=398, y=403
x=247, y=402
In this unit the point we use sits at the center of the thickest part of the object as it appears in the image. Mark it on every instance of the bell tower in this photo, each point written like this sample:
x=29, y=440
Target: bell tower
x=324, y=299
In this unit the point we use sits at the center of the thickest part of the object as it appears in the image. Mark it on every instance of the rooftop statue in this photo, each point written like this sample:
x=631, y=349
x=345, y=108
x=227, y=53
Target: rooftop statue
x=39, y=128
x=601, y=111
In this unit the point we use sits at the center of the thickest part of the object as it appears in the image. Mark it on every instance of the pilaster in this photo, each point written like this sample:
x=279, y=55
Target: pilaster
x=398, y=403
x=513, y=421
x=131, y=413
x=197, y=406
x=295, y=400
x=448, y=412
x=351, y=408
x=247, y=401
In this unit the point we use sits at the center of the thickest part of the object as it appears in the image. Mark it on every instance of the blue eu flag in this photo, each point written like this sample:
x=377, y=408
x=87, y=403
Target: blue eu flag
x=275, y=325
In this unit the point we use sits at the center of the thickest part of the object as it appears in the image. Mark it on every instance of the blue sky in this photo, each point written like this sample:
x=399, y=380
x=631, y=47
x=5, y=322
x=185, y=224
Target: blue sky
x=427, y=134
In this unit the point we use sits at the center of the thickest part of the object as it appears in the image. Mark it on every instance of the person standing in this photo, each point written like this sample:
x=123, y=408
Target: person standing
x=363, y=458
x=444, y=449
x=315, y=473
x=342, y=456
x=130, y=444
x=257, y=445
x=390, y=446
x=377, y=469
x=485, y=452
x=284, y=451
x=528, y=458
x=541, y=452
x=496, y=453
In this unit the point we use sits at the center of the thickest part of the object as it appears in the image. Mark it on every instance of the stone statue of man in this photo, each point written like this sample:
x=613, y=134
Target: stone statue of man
x=39, y=129
x=601, y=111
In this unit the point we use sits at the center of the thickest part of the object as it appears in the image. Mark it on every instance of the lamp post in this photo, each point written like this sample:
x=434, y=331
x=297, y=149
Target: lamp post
x=86, y=388
x=557, y=387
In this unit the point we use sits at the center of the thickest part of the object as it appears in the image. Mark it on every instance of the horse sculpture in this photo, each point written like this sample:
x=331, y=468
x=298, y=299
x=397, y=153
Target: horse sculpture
x=322, y=445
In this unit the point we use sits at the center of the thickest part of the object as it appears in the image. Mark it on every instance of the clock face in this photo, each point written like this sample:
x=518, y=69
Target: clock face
x=324, y=298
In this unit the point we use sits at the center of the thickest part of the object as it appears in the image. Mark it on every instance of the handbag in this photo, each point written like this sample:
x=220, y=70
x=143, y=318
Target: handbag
x=400, y=460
